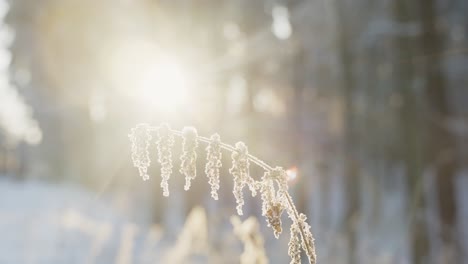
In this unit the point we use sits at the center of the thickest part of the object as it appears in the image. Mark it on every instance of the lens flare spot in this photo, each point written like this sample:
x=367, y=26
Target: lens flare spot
x=292, y=173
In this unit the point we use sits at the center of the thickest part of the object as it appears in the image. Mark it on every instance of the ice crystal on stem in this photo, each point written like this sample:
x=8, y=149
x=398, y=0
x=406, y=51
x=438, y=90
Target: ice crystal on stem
x=164, y=145
x=140, y=138
x=213, y=164
x=188, y=166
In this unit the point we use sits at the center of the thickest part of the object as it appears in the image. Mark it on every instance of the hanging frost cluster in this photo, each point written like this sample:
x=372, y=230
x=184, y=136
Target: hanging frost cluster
x=240, y=171
x=188, y=166
x=164, y=144
x=140, y=138
x=294, y=244
x=272, y=186
x=273, y=201
x=213, y=164
x=300, y=232
x=308, y=241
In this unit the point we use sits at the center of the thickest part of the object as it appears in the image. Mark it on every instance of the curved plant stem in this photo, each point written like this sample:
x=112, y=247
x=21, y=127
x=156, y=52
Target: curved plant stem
x=230, y=149
x=267, y=168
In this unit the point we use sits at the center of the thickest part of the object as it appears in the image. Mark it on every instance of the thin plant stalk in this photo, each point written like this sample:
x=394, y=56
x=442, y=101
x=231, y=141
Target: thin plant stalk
x=294, y=215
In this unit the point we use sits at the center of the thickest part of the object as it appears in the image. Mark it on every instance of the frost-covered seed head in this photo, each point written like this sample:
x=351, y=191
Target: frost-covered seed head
x=308, y=241
x=213, y=164
x=279, y=175
x=273, y=215
x=189, y=133
x=140, y=138
x=164, y=130
x=273, y=185
x=241, y=148
x=240, y=171
x=164, y=145
x=272, y=204
x=188, y=166
x=294, y=244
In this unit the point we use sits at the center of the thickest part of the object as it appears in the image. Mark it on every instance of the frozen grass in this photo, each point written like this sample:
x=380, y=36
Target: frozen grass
x=273, y=186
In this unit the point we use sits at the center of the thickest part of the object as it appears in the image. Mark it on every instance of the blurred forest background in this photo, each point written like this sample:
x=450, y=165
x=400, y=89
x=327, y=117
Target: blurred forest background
x=366, y=99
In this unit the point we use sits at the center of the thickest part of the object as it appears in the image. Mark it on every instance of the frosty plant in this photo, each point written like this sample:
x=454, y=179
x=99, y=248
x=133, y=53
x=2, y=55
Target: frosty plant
x=272, y=186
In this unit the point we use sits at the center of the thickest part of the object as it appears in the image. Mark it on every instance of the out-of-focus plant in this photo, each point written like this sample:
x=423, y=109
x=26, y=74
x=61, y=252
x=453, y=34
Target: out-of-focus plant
x=273, y=185
x=248, y=232
x=15, y=115
x=192, y=239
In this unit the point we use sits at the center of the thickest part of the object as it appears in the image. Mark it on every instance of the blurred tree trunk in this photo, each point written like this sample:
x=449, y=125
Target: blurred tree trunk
x=441, y=143
x=351, y=172
x=410, y=149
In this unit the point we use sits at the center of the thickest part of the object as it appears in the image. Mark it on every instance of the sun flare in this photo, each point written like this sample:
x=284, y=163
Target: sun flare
x=163, y=86
x=155, y=80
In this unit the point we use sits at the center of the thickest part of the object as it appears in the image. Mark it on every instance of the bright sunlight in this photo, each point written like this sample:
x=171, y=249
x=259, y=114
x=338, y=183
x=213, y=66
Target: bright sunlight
x=158, y=81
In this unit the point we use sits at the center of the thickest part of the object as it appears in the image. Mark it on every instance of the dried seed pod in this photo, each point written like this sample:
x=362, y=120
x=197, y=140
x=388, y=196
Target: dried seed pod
x=272, y=204
x=273, y=216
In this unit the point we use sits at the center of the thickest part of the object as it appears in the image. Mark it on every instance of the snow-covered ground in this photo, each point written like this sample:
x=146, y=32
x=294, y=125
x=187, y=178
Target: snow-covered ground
x=47, y=223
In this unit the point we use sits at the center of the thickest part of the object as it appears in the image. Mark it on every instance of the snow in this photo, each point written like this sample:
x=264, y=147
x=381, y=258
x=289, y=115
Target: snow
x=47, y=223
x=61, y=223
